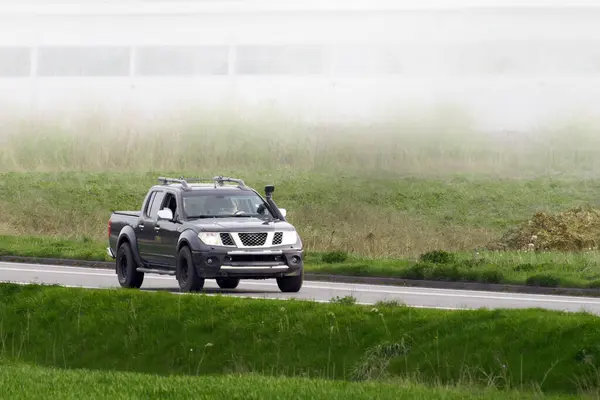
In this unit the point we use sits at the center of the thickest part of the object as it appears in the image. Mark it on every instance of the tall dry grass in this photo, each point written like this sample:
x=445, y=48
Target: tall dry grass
x=333, y=176
x=437, y=142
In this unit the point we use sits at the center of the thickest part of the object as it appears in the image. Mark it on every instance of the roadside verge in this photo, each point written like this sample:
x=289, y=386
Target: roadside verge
x=324, y=277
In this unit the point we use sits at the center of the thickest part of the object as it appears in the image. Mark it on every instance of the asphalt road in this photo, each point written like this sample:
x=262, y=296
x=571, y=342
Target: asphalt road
x=312, y=290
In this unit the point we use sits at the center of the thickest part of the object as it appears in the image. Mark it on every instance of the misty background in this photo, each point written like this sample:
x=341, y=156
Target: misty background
x=508, y=65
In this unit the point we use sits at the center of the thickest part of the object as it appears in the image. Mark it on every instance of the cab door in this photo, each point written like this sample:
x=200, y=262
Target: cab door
x=146, y=230
x=167, y=232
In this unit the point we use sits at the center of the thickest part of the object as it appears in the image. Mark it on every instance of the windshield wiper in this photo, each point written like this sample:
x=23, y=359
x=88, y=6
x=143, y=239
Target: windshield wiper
x=267, y=218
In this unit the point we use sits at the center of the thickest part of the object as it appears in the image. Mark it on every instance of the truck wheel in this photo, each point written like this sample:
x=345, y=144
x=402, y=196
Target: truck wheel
x=128, y=276
x=188, y=279
x=228, y=283
x=290, y=284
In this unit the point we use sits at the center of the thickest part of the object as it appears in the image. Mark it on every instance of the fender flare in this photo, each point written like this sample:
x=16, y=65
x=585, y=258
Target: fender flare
x=128, y=234
x=190, y=238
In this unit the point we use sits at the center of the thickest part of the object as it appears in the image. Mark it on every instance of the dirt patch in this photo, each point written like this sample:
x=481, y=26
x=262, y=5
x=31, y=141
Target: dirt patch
x=576, y=229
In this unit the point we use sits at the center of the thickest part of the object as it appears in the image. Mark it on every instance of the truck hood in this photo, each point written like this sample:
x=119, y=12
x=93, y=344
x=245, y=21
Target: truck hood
x=240, y=225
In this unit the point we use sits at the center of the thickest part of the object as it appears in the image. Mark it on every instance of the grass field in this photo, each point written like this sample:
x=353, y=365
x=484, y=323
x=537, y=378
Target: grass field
x=389, y=191
x=26, y=382
x=376, y=217
x=117, y=331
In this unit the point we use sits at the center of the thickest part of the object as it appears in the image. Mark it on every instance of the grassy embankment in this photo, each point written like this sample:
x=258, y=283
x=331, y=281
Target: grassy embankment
x=26, y=382
x=238, y=343
x=384, y=194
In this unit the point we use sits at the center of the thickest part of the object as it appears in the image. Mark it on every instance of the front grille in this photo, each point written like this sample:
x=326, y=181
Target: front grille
x=278, y=237
x=227, y=240
x=253, y=239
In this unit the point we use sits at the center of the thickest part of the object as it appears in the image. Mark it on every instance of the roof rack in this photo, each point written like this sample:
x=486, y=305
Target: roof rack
x=220, y=180
x=166, y=181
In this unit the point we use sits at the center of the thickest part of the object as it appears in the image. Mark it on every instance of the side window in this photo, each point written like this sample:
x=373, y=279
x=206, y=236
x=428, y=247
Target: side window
x=149, y=204
x=156, y=204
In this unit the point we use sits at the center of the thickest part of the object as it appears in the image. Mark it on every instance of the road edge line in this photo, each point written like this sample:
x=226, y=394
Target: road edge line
x=369, y=280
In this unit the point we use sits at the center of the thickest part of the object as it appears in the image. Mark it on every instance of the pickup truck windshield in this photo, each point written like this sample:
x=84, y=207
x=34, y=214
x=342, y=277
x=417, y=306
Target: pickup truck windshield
x=224, y=205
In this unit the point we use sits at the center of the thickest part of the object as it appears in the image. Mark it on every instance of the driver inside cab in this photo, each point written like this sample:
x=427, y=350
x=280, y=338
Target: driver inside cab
x=219, y=206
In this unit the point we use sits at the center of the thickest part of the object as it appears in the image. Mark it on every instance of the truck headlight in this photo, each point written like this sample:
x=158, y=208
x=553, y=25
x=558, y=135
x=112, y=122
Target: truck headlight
x=211, y=238
x=289, y=238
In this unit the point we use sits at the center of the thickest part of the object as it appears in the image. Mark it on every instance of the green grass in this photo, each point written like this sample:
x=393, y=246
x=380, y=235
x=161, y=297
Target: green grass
x=392, y=190
x=392, y=217
x=49, y=247
x=384, y=193
x=121, y=330
x=23, y=381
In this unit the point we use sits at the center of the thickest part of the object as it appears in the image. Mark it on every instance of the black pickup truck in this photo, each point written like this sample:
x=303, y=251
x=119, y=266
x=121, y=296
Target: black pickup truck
x=206, y=228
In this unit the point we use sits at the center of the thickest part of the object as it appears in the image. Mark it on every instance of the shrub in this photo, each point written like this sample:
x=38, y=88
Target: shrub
x=526, y=267
x=491, y=276
x=438, y=257
x=334, y=257
x=594, y=284
x=445, y=273
x=416, y=272
x=543, y=280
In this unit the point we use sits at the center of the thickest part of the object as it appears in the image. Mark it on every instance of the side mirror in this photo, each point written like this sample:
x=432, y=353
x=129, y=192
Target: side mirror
x=283, y=212
x=166, y=214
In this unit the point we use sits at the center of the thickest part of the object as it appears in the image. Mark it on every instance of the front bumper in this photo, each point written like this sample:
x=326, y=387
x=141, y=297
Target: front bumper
x=257, y=264
x=110, y=253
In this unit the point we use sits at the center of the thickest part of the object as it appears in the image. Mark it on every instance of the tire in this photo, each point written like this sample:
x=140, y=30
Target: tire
x=291, y=284
x=228, y=283
x=188, y=279
x=125, y=268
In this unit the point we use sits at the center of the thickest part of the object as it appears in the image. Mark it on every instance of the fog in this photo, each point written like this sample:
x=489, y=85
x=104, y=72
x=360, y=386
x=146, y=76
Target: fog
x=509, y=65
